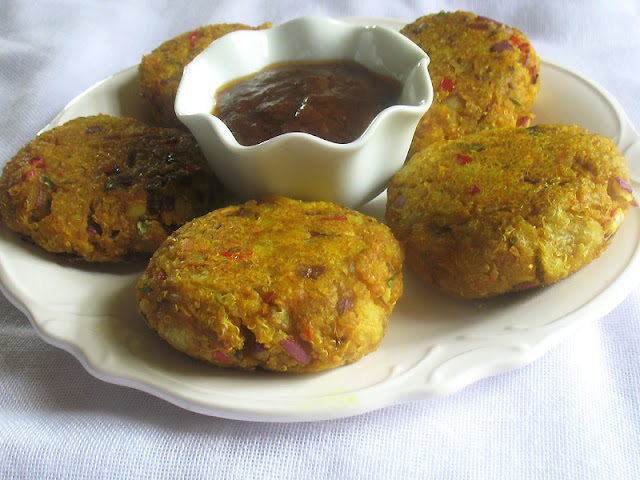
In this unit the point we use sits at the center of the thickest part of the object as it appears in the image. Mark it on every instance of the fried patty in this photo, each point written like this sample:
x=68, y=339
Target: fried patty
x=508, y=209
x=105, y=188
x=484, y=74
x=276, y=284
x=160, y=71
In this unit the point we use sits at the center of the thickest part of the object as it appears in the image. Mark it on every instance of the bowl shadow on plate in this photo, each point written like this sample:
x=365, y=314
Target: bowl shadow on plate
x=118, y=95
x=442, y=312
x=426, y=317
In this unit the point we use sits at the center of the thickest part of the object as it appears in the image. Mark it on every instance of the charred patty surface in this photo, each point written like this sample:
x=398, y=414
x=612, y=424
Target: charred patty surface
x=105, y=188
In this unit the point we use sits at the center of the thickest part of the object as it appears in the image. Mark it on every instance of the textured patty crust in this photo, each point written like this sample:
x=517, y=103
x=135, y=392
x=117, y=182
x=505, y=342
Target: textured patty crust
x=508, y=209
x=105, y=188
x=160, y=72
x=276, y=284
x=484, y=74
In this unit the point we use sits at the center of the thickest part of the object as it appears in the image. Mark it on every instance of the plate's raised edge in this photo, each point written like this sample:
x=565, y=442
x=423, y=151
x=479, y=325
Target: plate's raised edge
x=416, y=377
x=127, y=73
x=628, y=133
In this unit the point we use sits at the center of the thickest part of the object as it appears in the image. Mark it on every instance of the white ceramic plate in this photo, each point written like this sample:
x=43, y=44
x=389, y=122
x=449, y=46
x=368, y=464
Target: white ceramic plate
x=434, y=346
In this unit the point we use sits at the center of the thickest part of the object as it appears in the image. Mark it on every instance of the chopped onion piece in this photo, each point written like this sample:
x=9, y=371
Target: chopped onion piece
x=294, y=349
x=399, y=201
x=624, y=184
x=344, y=305
x=501, y=46
x=620, y=187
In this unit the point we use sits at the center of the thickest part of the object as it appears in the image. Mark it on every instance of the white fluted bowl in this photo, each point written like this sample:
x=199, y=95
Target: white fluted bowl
x=300, y=165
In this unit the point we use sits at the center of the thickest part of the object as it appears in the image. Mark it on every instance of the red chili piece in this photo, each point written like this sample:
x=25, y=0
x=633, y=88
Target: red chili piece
x=447, y=84
x=269, y=296
x=463, y=159
x=161, y=275
x=38, y=162
x=222, y=357
x=523, y=121
x=30, y=173
x=472, y=190
x=192, y=39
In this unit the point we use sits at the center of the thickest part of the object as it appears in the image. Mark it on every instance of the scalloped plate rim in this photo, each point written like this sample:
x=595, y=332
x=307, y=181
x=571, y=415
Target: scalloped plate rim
x=341, y=404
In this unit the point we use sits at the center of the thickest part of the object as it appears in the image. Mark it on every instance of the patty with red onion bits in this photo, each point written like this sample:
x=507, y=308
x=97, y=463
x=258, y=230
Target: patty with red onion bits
x=160, y=71
x=276, y=284
x=484, y=74
x=105, y=189
x=508, y=209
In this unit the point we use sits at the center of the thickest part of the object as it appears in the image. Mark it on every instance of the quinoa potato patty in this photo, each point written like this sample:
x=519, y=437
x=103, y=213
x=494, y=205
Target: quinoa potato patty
x=508, y=209
x=484, y=74
x=160, y=72
x=105, y=188
x=276, y=284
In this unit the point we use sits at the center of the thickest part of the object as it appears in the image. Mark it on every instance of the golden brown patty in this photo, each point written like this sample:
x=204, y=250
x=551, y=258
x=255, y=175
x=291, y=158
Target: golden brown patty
x=160, y=71
x=484, y=75
x=508, y=209
x=104, y=188
x=279, y=284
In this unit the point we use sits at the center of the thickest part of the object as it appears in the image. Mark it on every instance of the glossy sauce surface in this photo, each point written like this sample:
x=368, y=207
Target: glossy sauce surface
x=334, y=100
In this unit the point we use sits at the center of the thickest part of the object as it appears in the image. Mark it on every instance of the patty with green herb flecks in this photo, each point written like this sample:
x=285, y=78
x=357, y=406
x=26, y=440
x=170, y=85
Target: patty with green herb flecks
x=105, y=188
x=277, y=284
x=484, y=73
x=160, y=71
x=508, y=209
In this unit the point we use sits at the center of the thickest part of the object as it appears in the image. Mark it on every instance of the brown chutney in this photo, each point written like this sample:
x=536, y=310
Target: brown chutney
x=334, y=100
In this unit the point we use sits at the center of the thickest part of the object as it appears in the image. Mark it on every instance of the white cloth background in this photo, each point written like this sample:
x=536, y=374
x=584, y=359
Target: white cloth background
x=574, y=413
